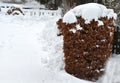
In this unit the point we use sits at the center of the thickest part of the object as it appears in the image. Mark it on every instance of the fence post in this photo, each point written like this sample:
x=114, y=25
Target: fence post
x=31, y=13
x=42, y=13
x=39, y=13
x=52, y=13
x=34, y=13
x=116, y=41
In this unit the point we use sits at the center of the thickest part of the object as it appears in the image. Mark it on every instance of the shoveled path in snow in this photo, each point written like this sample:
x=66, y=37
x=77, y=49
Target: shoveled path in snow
x=22, y=56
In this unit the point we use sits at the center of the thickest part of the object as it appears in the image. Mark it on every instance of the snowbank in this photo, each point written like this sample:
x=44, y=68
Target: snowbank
x=31, y=51
x=88, y=12
x=112, y=73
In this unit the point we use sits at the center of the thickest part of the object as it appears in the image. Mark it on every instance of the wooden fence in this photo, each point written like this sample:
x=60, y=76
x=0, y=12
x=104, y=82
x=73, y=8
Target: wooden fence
x=31, y=11
x=116, y=41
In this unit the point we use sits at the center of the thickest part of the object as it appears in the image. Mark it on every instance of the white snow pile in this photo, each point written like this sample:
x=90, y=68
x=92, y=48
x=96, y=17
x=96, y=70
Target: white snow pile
x=112, y=73
x=88, y=12
x=69, y=17
x=31, y=51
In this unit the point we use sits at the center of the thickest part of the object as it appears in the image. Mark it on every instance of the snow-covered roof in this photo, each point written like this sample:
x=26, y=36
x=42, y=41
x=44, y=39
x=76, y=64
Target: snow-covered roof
x=88, y=12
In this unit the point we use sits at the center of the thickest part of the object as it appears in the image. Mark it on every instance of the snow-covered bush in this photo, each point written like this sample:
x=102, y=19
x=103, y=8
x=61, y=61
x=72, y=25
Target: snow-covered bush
x=87, y=33
x=15, y=11
x=114, y=4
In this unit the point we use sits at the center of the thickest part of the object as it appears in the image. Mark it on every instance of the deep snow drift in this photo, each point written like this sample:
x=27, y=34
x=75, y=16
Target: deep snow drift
x=31, y=51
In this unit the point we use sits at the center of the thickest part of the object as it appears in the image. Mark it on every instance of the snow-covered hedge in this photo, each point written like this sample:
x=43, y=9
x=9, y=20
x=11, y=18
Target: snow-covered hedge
x=89, y=12
x=15, y=11
x=87, y=33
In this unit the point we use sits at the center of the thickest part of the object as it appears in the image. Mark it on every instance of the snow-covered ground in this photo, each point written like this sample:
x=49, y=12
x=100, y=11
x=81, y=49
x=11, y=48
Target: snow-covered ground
x=112, y=73
x=31, y=51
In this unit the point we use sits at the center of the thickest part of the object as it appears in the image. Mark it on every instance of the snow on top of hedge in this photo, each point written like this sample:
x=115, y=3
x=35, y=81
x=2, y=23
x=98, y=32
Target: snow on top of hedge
x=69, y=17
x=88, y=12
